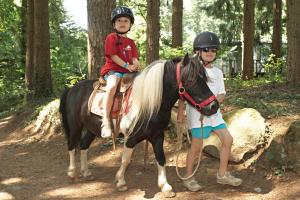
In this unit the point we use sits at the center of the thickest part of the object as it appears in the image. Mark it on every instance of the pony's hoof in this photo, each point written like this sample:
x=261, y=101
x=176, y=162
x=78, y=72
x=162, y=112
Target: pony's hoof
x=86, y=173
x=72, y=180
x=122, y=188
x=169, y=194
x=72, y=174
x=88, y=178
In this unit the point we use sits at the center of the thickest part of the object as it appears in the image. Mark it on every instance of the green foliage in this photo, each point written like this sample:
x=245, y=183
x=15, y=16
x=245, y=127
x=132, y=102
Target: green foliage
x=168, y=53
x=68, y=57
x=274, y=68
x=271, y=99
x=230, y=17
x=263, y=18
x=67, y=47
x=11, y=71
x=72, y=80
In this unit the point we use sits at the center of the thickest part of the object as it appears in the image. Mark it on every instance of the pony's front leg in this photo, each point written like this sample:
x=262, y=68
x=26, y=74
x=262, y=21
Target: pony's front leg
x=157, y=143
x=120, y=179
x=162, y=179
x=72, y=165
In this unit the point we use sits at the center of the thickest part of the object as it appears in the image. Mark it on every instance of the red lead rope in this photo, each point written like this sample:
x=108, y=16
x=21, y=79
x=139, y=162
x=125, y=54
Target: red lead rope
x=184, y=95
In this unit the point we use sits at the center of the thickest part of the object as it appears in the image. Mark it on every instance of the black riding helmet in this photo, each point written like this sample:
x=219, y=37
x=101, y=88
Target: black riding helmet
x=206, y=40
x=122, y=11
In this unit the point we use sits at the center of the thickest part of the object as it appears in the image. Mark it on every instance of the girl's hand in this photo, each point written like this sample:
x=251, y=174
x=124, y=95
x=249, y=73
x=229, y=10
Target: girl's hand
x=220, y=98
x=132, y=68
x=180, y=113
x=136, y=63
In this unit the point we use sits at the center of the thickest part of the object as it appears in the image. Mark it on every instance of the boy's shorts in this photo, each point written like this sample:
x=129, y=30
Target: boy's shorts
x=197, y=132
x=118, y=74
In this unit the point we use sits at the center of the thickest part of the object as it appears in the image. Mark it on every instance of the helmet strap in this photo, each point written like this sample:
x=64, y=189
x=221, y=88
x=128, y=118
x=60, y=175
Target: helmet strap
x=119, y=32
x=205, y=63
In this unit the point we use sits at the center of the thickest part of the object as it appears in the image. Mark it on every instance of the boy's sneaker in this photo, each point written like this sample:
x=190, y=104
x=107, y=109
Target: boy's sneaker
x=192, y=185
x=106, y=129
x=229, y=179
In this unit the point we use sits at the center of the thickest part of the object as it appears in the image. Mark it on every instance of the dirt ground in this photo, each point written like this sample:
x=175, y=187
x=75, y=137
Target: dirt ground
x=33, y=166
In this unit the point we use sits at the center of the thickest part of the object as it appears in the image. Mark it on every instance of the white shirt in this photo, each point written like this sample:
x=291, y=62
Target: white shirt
x=215, y=83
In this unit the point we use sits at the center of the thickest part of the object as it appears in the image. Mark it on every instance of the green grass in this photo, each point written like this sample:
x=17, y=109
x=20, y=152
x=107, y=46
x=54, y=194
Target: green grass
x=271, y=99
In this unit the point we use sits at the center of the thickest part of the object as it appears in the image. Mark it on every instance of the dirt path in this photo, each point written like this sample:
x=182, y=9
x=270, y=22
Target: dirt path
x=34, y=167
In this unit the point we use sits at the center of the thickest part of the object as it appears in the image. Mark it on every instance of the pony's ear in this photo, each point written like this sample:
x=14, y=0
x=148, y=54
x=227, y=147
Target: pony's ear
x=186, y=59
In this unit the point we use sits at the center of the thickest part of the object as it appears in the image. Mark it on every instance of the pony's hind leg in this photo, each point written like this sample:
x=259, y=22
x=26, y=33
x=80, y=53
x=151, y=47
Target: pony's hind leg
x=120, y=179
x=157, y=144
x=85, y=143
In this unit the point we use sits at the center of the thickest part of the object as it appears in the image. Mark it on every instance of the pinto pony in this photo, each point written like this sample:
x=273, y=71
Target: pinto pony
x=155, y=90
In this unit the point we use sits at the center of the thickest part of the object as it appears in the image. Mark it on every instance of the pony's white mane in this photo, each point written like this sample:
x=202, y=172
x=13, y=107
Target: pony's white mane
x=147, y=93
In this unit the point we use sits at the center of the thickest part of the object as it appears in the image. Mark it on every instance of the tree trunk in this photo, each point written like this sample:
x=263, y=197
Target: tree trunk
x=248, y=31
x=23, y=12
x=177, y=23
x=293, y=37
x=276, y=37
x=43, y=82
x=29, y=70
x=99, y=26
x=153, y=28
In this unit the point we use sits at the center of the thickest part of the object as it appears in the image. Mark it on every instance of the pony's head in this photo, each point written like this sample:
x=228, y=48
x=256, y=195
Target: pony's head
x=194, y=88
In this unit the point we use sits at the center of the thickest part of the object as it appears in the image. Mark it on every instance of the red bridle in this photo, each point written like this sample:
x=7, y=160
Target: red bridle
x=184, y=95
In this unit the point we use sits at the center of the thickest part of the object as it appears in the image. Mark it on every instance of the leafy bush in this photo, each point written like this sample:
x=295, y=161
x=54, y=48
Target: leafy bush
x=274, y=68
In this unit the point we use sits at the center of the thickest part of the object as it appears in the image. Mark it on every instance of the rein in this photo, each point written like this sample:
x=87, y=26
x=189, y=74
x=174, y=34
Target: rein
x=184, y=95
x=179, y=146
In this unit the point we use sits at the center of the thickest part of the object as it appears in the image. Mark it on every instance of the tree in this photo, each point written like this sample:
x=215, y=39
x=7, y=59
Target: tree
x=23, y=11
x=177, y=23
x=29, y=69
x=293, y=37
x=43, y=81
x=99, y=25
x=276, y=37
x=152, y=32
x=248, y=31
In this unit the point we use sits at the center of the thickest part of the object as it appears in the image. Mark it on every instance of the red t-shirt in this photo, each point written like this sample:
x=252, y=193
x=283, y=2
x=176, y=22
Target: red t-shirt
x=121, y=46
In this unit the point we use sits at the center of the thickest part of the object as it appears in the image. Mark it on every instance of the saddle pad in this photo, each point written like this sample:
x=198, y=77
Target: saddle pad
x=97, y=104
x=96, y=107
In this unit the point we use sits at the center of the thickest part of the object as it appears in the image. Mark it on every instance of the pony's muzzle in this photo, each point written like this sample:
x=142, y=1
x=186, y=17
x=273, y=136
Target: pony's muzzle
x=211, y=108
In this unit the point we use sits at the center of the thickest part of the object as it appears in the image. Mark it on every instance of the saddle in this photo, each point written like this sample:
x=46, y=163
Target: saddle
x=95, y=103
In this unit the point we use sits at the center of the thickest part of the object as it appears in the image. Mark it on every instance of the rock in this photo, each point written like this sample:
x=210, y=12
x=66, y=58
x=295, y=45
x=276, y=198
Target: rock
x=139, y=173
x=275, y=154
x=257, y=189
x=291, y=143
x=6, y=196
x=248, y=129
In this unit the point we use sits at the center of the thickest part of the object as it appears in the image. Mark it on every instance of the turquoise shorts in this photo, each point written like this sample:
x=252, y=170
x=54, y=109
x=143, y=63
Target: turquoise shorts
x=197, y=132
x=118, y=74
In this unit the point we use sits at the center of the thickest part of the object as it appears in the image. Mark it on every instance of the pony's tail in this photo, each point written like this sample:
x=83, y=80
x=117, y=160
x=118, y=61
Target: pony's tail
x=62, y=110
